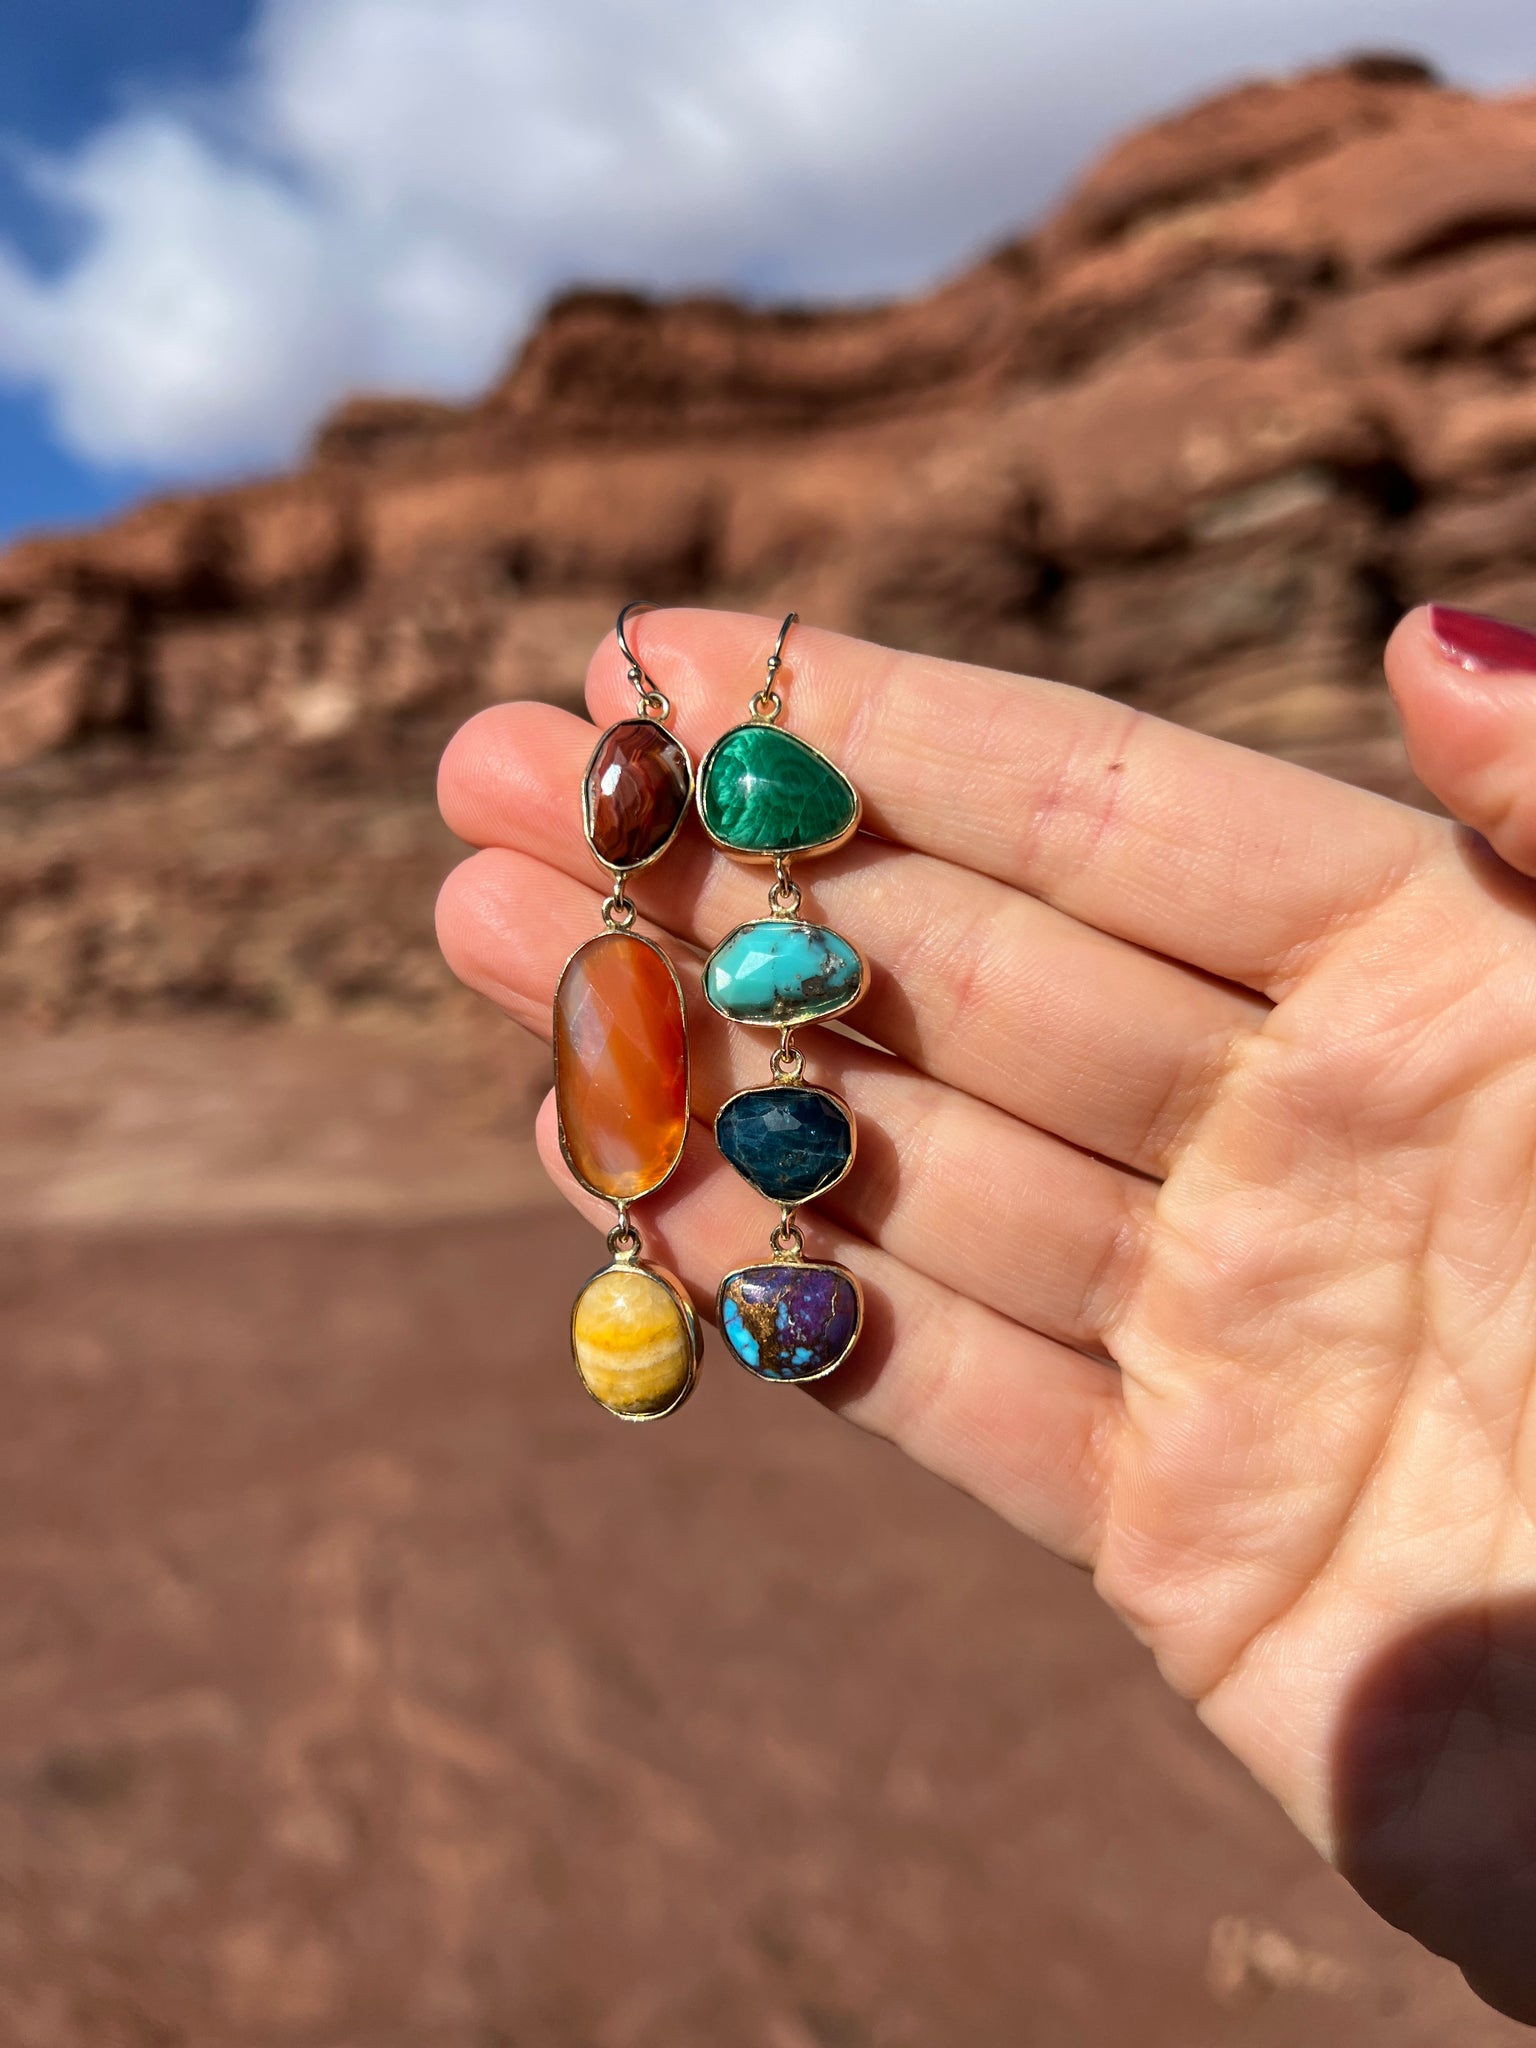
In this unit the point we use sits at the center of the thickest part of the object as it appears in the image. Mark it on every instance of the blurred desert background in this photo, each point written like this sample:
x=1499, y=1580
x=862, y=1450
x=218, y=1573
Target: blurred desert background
x=360, y=1683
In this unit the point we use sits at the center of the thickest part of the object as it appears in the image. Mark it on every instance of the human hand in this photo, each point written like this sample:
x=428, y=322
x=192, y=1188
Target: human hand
x=1195, y=1205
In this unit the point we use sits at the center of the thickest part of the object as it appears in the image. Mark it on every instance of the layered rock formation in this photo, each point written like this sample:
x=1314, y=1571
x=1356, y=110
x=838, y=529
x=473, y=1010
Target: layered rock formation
x=1267, y=377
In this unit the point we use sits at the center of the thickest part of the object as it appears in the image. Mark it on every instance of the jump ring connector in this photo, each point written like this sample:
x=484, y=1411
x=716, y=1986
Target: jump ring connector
x=788, y=1061
x=619, y=912
x=784, y=896
x=624, y=1242
x=788, y=1241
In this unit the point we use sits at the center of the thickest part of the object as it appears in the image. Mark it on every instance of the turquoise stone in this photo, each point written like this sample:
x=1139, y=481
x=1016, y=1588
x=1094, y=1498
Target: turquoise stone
x=781, y=971
x=762, y=791
x=790, y=1143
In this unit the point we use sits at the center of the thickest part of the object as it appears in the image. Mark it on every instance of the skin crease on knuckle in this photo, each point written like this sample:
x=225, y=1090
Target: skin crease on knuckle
x=1309, y=1487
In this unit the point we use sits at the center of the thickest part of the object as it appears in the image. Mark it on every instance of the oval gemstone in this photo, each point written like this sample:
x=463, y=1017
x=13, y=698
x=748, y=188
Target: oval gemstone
x=790, y=1322
x=634, y=1342
x=782, y=971
x=621, y=1066
x=764, y=792
x=637, y=788
x=791, y=1143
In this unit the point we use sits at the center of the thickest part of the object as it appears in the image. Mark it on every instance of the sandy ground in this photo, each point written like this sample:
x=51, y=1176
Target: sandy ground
x=362, y=1685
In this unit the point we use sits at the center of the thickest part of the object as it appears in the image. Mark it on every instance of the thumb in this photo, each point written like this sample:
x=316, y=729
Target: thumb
x=1465, y=690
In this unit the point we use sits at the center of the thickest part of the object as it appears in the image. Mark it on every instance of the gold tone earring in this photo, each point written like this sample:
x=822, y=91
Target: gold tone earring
x=621, y=1067
x=766, y=795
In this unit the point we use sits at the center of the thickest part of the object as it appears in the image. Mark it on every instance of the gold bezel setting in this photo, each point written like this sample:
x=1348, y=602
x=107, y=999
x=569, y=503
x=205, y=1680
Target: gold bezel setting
x=801, y=1087
x=640, y=1194
x=638, y=866
x=680, y=1296
x=767, y=856
x=792, y=1266
x=801, y=1018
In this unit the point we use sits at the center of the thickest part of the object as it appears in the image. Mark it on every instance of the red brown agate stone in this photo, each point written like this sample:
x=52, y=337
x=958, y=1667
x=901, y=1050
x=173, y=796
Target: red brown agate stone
x=638, y=784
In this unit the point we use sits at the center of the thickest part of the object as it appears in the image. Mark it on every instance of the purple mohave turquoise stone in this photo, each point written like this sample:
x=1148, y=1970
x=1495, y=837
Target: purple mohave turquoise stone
x=790, y=1322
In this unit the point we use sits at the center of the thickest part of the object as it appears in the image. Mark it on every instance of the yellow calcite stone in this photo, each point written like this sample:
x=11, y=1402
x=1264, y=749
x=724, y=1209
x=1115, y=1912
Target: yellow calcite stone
x=634, y=1343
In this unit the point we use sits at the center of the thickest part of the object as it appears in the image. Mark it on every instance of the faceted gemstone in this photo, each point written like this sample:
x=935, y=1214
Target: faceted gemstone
x=791, y=1143
x=762, y=791
x=621, y=1066
x=790, y=1322
x=781, y=971
x=634, y=1342
x=638, y=784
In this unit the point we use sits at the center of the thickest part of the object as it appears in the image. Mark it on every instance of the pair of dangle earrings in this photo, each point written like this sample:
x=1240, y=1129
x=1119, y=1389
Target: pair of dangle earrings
x=621, y=1051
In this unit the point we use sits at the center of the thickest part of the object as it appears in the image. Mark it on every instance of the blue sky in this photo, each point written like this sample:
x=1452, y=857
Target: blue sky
x=68, y=67
x=218, y=216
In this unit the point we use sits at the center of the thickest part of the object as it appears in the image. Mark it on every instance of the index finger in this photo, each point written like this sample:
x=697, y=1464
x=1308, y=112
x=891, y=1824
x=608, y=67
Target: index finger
x=1185, y=845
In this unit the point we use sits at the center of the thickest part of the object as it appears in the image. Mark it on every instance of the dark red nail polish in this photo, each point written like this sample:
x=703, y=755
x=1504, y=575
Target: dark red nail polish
x=1487, y=645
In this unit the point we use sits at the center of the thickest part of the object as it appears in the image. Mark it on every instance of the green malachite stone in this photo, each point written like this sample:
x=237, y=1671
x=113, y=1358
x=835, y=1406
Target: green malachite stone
x=762, y=791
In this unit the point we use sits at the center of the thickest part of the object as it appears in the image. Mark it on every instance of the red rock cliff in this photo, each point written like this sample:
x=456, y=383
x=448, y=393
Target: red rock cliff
x=1266, y=378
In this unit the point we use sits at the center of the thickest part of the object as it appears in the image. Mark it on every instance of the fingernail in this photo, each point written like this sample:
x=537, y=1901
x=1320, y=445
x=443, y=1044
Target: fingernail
x=1483, y=644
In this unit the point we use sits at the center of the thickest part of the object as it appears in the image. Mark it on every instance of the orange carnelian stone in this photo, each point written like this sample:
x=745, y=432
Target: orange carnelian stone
x=621, y=1066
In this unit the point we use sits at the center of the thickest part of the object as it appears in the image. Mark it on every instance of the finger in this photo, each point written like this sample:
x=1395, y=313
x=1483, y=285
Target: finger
x=1024, y=1424
x=1465, y=690
x=1182, y=844
x=1123, y=1049
x=941, y=1180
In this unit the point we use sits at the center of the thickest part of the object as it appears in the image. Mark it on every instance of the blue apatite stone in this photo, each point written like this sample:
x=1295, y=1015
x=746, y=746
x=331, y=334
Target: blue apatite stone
x=791, y=1142
x=790, y=1322
x=781, y=971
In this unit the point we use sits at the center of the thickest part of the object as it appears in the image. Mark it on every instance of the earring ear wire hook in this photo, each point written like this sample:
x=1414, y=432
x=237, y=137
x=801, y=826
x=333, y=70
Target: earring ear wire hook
x=654, y=703
x=767, y=704
x=776, y=659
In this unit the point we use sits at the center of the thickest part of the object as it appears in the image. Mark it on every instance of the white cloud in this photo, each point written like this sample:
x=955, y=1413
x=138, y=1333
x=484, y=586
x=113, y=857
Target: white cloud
x=394, y=185
x=200, y=313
